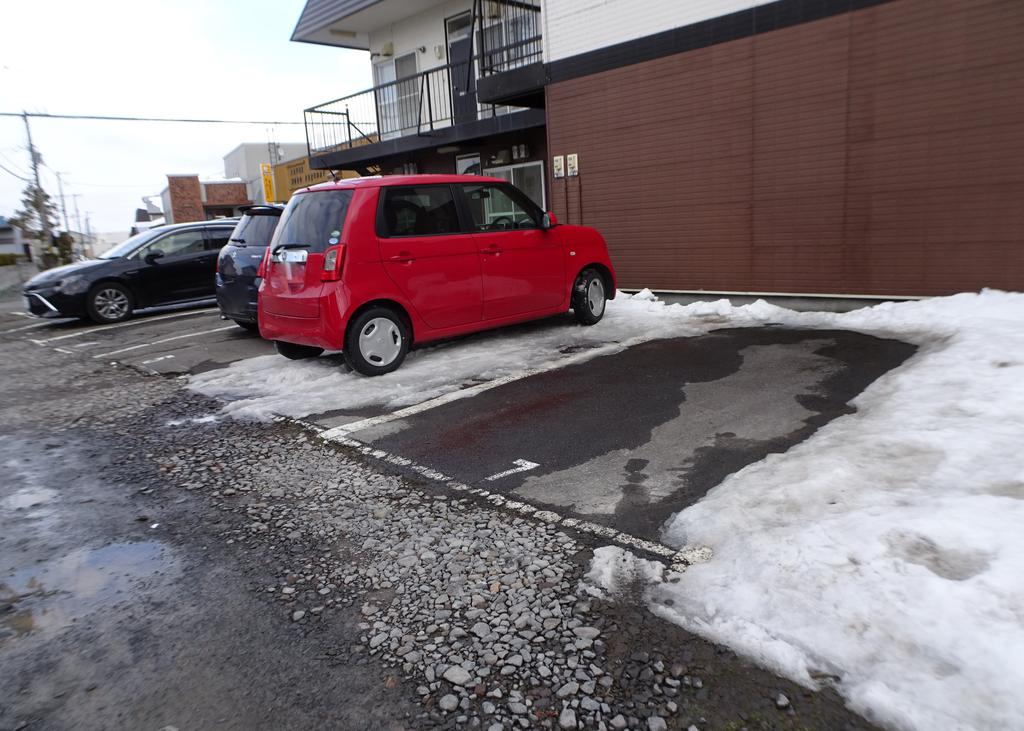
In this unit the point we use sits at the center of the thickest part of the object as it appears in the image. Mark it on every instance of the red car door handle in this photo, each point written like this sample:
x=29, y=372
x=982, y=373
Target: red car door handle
x=492, y=249
x=401, y=257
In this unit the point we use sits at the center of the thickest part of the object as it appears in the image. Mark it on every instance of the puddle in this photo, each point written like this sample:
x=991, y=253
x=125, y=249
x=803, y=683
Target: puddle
x=46, y=597
x=29, y=497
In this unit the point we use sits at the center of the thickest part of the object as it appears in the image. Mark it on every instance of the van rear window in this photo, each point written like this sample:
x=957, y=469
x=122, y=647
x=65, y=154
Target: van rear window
x=314, y=220
x=254, y=230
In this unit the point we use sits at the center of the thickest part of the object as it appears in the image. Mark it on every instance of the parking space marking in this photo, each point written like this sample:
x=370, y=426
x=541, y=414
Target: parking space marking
x=521, y=465
x=130, y=323
x=357, y=426
x=165, y=340
x=27, y=327
x=157, y=360
x=678, y=559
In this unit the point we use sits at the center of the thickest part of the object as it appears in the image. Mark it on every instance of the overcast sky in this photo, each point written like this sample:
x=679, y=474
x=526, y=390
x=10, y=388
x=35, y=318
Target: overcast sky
x=227, y=59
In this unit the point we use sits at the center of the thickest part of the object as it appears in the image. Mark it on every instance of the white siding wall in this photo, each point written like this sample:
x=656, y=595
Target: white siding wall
x=572, y=27
x=423, y=29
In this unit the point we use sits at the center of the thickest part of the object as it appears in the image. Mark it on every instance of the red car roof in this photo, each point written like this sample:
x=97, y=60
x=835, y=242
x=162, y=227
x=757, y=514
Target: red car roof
x=377, y=181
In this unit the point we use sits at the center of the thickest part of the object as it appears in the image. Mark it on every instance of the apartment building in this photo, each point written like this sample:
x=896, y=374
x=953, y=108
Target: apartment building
x=430, y=110
x=818, y=147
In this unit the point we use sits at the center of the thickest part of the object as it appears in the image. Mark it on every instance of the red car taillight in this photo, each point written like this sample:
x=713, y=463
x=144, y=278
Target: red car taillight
x=334, y=258
x=264, y=262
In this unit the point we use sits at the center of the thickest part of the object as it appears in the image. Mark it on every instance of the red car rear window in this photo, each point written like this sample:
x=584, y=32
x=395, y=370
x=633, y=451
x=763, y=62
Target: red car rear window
x=314, y=220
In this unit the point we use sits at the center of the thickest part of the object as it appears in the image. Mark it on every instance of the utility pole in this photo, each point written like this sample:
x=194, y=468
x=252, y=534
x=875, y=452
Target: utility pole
x=63, y=206
x=78, y=218
x=88, y=233
x=40, y=207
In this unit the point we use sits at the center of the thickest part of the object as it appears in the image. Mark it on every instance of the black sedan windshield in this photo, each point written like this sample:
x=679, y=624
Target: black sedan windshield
x=127, y=247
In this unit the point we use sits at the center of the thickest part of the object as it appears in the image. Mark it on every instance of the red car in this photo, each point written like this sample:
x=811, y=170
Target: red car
x=371, y=266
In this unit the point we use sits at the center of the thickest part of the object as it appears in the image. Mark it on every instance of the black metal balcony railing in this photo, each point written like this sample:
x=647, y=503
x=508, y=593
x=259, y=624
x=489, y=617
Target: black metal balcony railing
x=509, y=33
x=432, y=99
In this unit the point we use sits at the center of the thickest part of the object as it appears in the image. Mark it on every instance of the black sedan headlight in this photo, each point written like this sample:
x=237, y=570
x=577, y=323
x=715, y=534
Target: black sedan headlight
x=75, y=284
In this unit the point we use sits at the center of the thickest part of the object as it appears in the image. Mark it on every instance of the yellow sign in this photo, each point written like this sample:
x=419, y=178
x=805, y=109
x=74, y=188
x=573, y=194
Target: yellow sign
x=268, y=181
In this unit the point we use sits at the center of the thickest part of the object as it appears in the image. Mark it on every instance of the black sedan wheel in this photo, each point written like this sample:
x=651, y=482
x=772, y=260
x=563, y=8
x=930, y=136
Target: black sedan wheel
x=109, y=302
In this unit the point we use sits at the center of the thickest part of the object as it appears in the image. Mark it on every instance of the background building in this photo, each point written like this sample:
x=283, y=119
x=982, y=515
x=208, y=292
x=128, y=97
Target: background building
x=11, y=239
x=296, y=174
x=244, y=161
x=187, y=198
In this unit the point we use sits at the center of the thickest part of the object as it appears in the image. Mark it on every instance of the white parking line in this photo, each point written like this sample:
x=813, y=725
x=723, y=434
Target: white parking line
x=27, y=327
x=678, y=559
x=357, y=426
x=164, y=340
x=130, y=323
x=157, y=359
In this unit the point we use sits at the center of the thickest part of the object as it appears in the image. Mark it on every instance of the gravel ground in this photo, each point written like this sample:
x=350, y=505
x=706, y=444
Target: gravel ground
x=469, y=616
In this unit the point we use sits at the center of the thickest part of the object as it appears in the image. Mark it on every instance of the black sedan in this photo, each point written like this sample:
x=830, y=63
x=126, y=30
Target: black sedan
x=163, y=266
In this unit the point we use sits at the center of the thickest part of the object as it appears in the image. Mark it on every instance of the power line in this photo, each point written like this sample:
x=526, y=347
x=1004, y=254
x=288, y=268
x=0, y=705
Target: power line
x=13, y=164
x=76, y=184
x=103, y=118
x=11, y=172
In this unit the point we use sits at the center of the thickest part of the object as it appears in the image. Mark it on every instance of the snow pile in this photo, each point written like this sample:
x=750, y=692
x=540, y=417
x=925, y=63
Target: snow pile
x=887, y=551
x=271, y=385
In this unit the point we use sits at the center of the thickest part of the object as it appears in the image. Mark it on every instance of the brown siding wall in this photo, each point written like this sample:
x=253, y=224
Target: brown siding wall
x=876, y=152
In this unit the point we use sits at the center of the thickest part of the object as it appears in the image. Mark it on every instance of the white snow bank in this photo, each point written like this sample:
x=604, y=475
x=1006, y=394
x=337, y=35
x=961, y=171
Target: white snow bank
x=888, y=549
x=271, y=385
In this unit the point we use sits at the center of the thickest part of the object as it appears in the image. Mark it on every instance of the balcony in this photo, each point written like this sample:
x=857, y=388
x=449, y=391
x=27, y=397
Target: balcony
x=432, y=108
x=511, y=68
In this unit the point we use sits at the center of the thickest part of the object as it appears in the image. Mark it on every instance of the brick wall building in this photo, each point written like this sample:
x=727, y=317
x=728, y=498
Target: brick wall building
x=187, y=198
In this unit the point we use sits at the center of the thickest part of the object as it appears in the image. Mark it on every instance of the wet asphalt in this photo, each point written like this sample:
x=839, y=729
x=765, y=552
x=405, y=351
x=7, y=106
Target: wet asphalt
x=629, y=439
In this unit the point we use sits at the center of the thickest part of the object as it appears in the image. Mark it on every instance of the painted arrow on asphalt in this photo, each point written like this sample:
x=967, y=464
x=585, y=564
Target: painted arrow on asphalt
x=521, y=465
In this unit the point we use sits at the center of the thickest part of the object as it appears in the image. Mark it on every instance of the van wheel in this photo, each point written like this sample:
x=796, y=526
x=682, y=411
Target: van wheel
x=291, y=351
x=588, y=298
x=109, y=302
x=376, y=341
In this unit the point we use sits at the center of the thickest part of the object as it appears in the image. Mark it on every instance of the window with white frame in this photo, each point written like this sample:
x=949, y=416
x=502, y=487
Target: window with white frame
x=527, y=176
x=397, y=103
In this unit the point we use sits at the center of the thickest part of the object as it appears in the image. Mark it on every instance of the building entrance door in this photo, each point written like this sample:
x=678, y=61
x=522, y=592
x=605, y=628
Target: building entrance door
x=461, y=71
